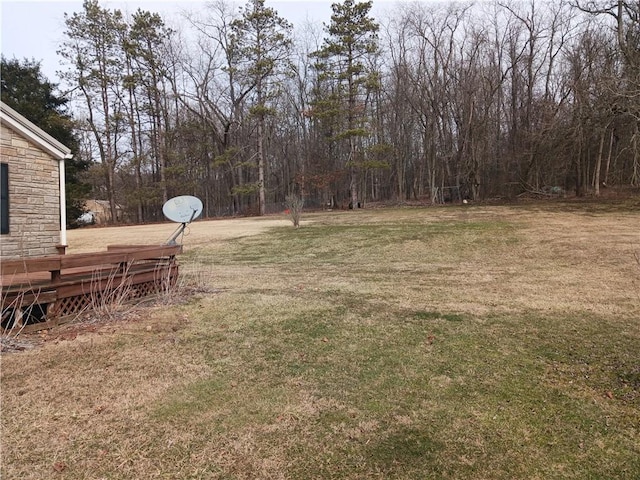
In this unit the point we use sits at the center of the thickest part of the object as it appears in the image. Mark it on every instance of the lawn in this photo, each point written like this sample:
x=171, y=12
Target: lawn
x=470, y=342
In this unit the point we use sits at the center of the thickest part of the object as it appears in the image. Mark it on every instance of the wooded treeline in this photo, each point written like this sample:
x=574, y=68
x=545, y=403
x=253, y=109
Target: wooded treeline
x=435, y=102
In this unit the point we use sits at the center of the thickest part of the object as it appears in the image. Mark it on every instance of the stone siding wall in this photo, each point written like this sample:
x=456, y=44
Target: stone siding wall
x=34, y=203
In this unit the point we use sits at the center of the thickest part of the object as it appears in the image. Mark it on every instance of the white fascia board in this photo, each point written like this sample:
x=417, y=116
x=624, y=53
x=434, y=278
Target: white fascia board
x=34, y=133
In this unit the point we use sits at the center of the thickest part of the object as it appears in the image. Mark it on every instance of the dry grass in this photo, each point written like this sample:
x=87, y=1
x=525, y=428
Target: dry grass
x=481, y=342
x=198, y=233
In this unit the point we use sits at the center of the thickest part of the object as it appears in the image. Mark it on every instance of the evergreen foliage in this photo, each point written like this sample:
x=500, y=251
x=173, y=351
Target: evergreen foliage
x=25, y=89
x=260, y=43
x=346, y=80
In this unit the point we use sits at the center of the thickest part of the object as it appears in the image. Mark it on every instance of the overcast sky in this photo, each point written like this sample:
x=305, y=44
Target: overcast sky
x=34, y=29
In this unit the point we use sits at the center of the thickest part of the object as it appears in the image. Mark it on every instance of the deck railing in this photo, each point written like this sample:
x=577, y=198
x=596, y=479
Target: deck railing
x=42, y=292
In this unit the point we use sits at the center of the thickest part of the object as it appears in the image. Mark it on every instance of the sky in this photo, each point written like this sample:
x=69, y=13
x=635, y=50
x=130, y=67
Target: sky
x=33, y=29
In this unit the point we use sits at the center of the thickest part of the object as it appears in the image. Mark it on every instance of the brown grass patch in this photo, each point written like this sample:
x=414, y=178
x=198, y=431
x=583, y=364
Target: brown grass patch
x=485, y=342
x=200, y=233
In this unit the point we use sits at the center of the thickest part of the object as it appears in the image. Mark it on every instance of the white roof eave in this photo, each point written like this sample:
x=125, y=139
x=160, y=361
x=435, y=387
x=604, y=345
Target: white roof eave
x=32, y=132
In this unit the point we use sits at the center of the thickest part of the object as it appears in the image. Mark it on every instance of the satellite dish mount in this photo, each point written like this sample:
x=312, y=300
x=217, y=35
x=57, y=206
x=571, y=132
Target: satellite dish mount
x=184, y=210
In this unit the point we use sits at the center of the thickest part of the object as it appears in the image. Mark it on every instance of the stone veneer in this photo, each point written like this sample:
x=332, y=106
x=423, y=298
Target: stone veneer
x=34, y=203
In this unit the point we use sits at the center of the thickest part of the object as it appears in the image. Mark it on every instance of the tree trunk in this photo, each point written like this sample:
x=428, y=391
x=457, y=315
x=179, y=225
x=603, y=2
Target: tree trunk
x=606, y=170
x=596, y=173
x=261, y=186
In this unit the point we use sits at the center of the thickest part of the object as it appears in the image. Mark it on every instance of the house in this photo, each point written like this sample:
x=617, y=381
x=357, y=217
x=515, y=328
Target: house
x=99, y=212
x=32, y=181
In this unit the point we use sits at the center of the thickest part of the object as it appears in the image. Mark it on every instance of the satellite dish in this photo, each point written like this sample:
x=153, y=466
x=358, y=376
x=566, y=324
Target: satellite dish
x=183, y=209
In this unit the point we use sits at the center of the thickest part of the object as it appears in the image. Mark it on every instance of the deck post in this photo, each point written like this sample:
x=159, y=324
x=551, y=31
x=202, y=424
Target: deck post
x=56, y=277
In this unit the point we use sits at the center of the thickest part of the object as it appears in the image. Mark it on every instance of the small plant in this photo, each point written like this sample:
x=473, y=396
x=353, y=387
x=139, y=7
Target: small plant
x=165, y=280
x=11, y=326
x=109, y=296
x=294, y=205
x=15, y=317
x=195, y=276
x=16, y=313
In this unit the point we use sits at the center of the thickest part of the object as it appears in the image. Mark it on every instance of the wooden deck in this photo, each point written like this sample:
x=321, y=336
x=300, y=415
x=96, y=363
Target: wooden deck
x=42, y=292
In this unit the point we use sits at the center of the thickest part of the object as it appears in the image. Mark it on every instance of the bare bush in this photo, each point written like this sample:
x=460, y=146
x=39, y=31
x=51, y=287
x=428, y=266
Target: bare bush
x=294, y=205
x=15, y=316
x=111, y=296
x=196, y=276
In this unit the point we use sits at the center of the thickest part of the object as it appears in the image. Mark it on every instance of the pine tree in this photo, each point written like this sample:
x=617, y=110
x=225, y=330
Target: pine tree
x=144, y=44
x=94, y=53
x=344, y=68
x=261, y=42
